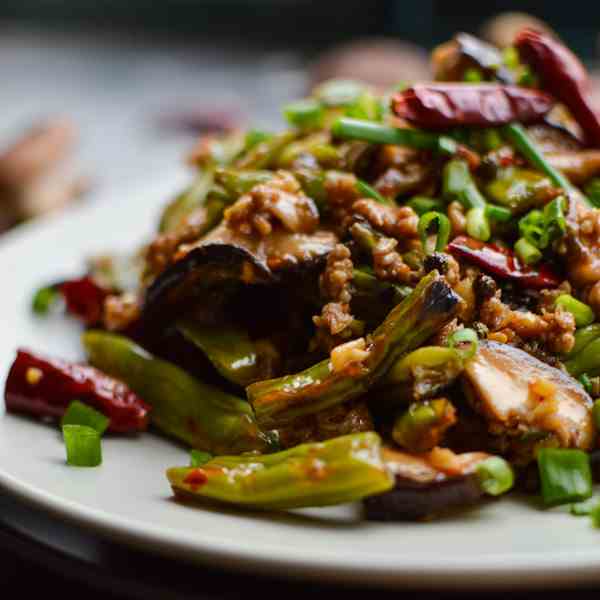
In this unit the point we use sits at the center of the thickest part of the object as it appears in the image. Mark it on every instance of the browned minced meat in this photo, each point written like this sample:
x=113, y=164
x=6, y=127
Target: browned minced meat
x=161, y=251
x=120, y=311
x=388, y=263
x=582, y=258
x=335, y=317
x=395, y=221
x=341, y=194
x=457, y=218
x=280, y=201
x=342, y=419
x=401, y=170
x=554, y=329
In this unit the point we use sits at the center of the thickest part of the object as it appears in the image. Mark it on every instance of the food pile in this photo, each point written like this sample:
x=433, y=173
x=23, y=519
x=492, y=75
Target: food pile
x=395, y=300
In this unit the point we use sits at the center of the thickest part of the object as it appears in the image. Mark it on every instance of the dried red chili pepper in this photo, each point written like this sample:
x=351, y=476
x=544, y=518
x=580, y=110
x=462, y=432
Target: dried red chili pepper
x=441, y=105
x=84, y=299
x=562, y=72
x=44, y=387
x=503, y=263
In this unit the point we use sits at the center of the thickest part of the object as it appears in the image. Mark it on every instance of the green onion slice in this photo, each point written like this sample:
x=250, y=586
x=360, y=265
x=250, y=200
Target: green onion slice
x=584, y=315
x=44, y=299
x=527, y=252
x=565, y=475
x=495, y=476
x=462, y=336
x=83, y=446
x=304, y=114
x=442, y=225
x=81, y=414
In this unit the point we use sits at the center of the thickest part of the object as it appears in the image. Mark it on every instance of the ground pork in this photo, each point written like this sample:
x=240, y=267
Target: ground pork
x=279, y=201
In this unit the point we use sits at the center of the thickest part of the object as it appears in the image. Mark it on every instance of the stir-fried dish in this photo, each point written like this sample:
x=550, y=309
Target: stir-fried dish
x=395, y=300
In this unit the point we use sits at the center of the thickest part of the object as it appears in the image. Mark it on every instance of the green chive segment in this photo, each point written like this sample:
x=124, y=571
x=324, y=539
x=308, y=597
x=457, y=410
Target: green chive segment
x=81, y=414
x=527, y=252
x=495, y=476
x=363, y=188
x=585, y=508
x=44, y=298
x=565, y=475
x=83, y=446
x=442, y=229
x=304, y=114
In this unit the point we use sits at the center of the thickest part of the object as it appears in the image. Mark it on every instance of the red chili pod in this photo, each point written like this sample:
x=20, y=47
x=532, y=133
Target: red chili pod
x=44, y=387
x=444, y=105
x=503, y=263
x=84, y=299
x=562, y=73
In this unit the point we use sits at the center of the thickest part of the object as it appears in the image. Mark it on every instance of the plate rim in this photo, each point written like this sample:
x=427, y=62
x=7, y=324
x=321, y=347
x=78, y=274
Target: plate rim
x=476, y=572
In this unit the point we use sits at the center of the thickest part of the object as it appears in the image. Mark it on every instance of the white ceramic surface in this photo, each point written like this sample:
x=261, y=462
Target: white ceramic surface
x=505, y=543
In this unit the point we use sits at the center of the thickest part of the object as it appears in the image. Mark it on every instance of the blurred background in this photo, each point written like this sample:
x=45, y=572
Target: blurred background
x=102, y=94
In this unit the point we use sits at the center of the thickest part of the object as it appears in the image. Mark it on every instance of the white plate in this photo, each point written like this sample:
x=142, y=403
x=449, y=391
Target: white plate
x=509, y=542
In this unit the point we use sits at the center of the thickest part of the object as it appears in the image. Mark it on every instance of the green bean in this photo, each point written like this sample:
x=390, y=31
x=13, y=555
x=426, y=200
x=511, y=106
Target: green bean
x=343, y=469
x=409, y=324
x=229, y=349
x=198, y=414
x=264, y=154
x=192, y=198
x=237, y=182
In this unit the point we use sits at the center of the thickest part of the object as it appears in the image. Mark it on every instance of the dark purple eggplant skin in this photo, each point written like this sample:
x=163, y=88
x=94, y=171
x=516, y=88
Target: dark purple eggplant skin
x=209, y=265
x=413, y=501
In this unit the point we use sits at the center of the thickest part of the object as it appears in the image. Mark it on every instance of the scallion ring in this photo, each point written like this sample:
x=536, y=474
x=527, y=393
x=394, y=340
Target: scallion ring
x=442, y=231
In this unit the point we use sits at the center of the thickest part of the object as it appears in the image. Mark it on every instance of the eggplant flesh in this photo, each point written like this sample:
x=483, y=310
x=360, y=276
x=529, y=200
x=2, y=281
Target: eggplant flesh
x=422, y=490
x=499, y=382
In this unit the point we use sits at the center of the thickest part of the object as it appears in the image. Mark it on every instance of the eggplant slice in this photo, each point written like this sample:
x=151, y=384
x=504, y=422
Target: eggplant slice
x=422, y=490
x=224, y=262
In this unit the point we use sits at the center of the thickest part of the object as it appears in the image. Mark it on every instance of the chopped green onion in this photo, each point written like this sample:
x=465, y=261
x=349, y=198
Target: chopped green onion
x=338, y=92
x=592, y=191
x=44, y=299
x=198, y=458
x=565, y=475
x=495, y=476
x=526, y=146
x=422, y=204
x=478, y=226
x=81, y=414
x=498, y=213
x=527, y=78
x=596, y=413
x=541, y=228
x=366, y=106
x=459, y=337
x=585, y=508
x=376, y=133
x=442, y=225
x=584, y=315
x=458, y=184
x=83, y=446
x=362, y=187
x=527, y=252
x=255, y=137
x=473, y=76
x=304, y=114
x=583, y=337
